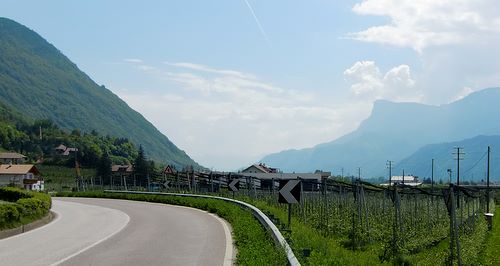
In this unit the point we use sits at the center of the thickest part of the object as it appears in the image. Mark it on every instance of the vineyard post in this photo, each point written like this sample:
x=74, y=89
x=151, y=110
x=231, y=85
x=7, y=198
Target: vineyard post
x=290, y=217
x=432, y=175
x=455, y=226
x=488, y=183
x=302, y=203
x=211, y=182
x=395, y=224
x=325, y=204
x=450, y=204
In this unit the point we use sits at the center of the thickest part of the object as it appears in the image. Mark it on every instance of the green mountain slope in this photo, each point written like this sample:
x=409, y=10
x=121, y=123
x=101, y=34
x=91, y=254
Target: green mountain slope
x=39, y=81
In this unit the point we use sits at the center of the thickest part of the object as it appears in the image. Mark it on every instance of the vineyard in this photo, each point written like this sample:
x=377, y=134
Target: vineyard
x=376, y=225
x=358, y=223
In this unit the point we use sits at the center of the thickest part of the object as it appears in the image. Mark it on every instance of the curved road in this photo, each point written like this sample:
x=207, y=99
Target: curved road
x=120, y=232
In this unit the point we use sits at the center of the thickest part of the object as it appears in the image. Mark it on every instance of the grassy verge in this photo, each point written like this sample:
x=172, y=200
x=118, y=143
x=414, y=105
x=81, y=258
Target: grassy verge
x=21, y=207
x=492, y=244
x=255, y=246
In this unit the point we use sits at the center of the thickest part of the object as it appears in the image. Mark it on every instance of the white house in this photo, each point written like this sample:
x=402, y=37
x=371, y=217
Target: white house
x=406, y=180
x=62, y=150
x=259, y=168
x=21, y=175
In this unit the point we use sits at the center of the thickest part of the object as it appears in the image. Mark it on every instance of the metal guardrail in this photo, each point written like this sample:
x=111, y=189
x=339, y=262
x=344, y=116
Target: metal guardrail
x=263, y=219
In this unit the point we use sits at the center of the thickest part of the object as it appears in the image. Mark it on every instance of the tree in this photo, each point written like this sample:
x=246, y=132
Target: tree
x=141, y=167
x=104, y=168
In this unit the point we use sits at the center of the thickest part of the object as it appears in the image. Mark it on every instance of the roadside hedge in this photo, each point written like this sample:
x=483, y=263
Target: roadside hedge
x=22, y=206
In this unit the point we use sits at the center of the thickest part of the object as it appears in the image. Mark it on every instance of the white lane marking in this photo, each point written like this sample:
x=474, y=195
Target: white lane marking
x=228, y=256
x=58, y=216
x=96, y=243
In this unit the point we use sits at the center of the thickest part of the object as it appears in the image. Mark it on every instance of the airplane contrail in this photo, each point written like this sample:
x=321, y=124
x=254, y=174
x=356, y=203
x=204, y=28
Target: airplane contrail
x=262, y=31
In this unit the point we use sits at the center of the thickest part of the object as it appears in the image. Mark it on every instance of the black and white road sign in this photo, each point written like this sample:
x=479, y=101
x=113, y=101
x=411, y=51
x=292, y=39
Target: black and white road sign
x=166, y=184
x=289, y=191
x=234, y=185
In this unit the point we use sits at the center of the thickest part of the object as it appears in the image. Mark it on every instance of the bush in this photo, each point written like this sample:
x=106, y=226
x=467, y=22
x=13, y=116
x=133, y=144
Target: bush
x=13, y=194
x=23, y=207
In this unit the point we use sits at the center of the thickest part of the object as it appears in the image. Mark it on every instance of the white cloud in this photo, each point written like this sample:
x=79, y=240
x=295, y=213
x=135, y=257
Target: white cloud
x=207, y=69
x=228, y=120
x=425, y=23
x=368, y=83
x=133, y=60
x=462, y=93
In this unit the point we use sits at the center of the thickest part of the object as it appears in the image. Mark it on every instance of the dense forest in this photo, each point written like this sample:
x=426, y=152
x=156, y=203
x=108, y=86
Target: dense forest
x=38, y=140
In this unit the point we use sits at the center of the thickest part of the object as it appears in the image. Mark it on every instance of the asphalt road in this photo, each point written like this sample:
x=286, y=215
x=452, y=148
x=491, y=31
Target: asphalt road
x=118, y=232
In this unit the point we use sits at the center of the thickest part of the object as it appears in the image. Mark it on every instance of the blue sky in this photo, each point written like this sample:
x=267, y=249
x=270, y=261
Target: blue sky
x=230, y=81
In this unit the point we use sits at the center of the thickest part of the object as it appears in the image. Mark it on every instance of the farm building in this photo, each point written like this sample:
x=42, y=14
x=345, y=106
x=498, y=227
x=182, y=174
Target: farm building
x=22, y=175
x=264, y=177
x=405, y=180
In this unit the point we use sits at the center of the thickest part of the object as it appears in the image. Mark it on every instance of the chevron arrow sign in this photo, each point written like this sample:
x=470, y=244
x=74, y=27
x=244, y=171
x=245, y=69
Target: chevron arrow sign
x=234, y=185
x=289, y=191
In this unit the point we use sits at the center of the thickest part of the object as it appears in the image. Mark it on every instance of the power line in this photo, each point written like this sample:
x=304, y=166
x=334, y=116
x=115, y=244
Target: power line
x=476, y=163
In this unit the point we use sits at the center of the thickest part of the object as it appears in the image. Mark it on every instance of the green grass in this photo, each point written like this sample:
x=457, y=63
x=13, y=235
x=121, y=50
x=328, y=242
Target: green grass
x=254, y=244
x=492, y=245
x=324, y=250
x=332, y=249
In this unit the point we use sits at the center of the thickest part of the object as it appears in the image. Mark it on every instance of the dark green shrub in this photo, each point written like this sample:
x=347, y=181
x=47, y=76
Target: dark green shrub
x=12, y=194
x=25, y=207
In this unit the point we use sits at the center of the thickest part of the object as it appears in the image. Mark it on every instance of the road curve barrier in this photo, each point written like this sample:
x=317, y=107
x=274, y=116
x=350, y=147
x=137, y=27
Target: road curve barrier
x=263, y=219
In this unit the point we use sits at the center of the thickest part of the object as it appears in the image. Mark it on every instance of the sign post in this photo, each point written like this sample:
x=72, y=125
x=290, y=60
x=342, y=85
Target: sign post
x=289, y=192
x=234, y=185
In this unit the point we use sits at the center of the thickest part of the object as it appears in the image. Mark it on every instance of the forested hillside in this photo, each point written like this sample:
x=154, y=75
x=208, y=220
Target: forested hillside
x=38, y=81
x=38, y=140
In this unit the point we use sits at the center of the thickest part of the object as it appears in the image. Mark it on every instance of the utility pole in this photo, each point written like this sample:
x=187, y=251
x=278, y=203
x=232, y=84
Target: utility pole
x=432, y=176
x=403, y=176
x=458, y=154
x=488, y=183
x=389, y=165
x=458, y=158
x=359, y=173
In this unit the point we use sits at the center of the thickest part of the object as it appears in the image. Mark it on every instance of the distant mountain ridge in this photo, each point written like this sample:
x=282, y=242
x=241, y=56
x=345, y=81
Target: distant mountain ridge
x=473, y=166
x=394, y=131
x=38, y=81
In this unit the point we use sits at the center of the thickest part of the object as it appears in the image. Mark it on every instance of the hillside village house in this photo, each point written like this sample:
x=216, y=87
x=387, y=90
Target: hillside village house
x=21, y=175
x=62, y=150
x=122, y=169
x=12, y=158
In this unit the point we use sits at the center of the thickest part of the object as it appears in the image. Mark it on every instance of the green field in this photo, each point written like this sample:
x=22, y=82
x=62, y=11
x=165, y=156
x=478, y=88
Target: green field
x=61, y=178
